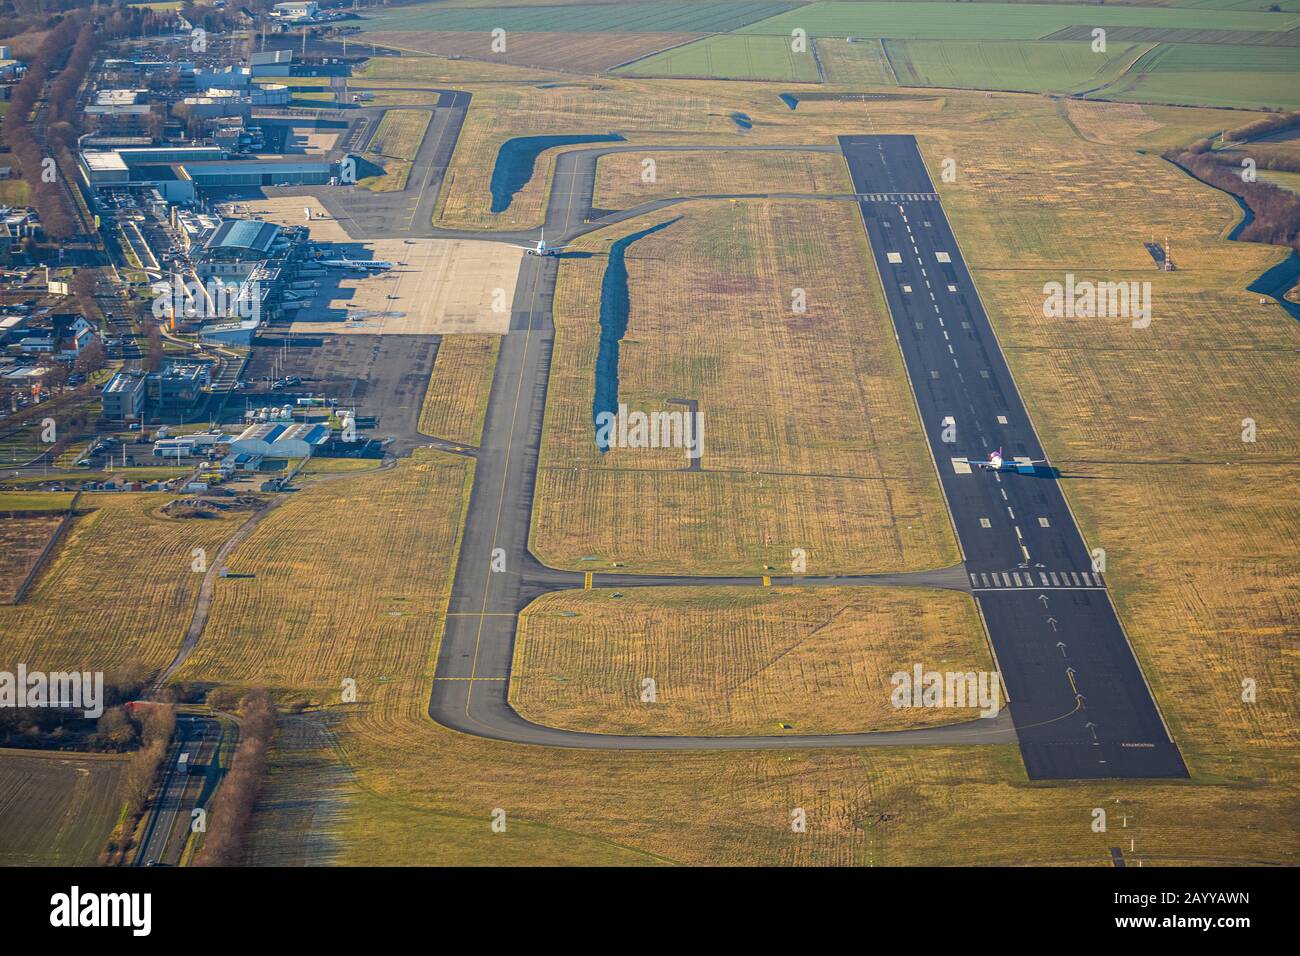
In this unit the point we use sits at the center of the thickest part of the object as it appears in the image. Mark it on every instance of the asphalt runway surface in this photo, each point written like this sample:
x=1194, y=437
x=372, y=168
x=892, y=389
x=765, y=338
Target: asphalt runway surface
x=1080, y=703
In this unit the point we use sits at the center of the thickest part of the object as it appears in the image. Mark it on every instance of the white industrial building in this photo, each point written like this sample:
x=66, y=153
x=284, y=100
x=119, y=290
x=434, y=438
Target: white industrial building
x=280, y=440
x=296, y=11
x=239, y=332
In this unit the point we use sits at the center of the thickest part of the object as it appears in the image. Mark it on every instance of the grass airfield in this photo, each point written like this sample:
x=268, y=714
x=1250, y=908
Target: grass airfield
x=1141, y=421
x=811, y=438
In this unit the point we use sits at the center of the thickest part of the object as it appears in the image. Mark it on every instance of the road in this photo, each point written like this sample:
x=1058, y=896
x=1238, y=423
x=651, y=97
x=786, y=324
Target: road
x=1081, y=705
x=169, y=821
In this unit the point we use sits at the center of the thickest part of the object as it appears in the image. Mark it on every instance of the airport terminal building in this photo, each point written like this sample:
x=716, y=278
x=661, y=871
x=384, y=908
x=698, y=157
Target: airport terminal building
x=178, y=171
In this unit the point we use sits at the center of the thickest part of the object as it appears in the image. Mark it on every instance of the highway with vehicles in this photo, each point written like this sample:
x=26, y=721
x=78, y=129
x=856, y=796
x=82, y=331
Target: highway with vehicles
x=190, y=775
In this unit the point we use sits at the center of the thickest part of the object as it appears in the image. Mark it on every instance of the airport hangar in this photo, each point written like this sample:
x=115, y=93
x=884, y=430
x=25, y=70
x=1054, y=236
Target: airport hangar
x=177, y=172
x=280, y=440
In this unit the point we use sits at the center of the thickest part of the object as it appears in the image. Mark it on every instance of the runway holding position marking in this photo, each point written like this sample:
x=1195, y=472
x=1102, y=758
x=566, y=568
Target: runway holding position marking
x=1080, y=703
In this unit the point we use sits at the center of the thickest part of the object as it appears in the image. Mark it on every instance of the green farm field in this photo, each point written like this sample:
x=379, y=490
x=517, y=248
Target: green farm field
x=56, y=809
x=732, y=57
x=1005, y=65
x=647, y=17
x=1002, y=21
x=1213, y=75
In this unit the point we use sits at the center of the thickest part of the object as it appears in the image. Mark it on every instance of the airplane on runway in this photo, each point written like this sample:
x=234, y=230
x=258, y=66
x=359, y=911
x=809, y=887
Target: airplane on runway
x=360, y=265
x=541, y=249
x=996, y=462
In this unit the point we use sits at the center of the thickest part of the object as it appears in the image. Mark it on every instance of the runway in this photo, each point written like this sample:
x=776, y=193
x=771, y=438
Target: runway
x=1080, y=703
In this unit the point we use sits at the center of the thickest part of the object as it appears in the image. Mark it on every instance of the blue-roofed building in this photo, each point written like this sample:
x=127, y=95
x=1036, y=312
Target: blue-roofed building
x=243, y=236
x=235, y=248
x=280, y=440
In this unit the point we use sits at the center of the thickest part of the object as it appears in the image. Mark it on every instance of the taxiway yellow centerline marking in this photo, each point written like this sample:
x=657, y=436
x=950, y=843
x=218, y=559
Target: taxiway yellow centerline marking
x=505, y=474
x=471, y=678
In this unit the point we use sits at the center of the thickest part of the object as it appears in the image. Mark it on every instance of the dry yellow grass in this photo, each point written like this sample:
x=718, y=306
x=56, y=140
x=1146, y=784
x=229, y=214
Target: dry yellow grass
x=1110, y=123
x=456, y=401
x=811, y=438
x=398, y=789
x=21, y=541
x=642, y=110
x=739, y=660
x=1165, y=405
x=860, y=65
x=921, y=806
x=1029, y=194
x=315, y=611
x=1207, y=577
x=621, y=183
x=680, y=522
x=1026, y=209
x=396, y=173
x=1205, y=312
x=119, y=592
x=578, y=108
x=393, y=146
x=400, y=133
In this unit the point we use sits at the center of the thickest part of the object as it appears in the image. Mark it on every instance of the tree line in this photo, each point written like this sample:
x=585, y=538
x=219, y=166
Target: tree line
x=157, y=726
x=232, y=807
x=1275, y=212
x=47, y=197
x=62, y=60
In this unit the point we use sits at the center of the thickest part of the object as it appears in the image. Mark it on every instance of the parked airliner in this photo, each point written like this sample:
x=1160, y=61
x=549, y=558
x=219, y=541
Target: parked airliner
x=360, y=265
